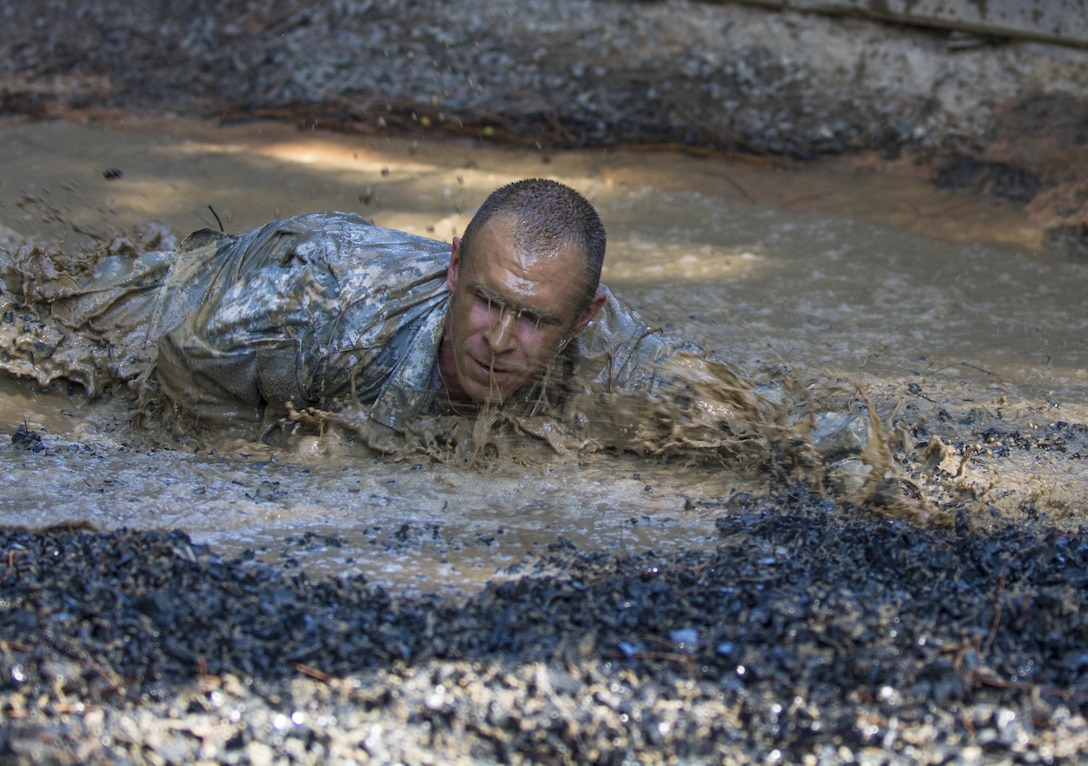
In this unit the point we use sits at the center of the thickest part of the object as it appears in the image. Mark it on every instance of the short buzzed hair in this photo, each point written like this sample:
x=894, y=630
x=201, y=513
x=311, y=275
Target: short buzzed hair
x=547, y=216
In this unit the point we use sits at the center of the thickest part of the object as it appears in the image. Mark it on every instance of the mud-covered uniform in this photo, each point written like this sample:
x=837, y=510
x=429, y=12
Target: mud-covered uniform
x=320, y=309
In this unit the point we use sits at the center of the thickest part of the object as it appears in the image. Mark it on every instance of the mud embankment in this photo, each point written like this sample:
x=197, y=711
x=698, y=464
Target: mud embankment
x=981, y=104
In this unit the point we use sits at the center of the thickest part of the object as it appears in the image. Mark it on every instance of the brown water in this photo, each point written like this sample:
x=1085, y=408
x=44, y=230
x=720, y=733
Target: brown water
x=938, y=306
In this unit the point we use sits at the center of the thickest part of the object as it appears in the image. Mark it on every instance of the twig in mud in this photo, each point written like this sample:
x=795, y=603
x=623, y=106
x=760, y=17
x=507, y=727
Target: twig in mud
x=207, y=681
x=736, y=186
x=961, y=363
x=236, y=592
x=681, y=655
x=11, y=565
x=558, y=129
x=686, y=659
x=336, y=682
x=916, y=389
x=987, y=677
x=312, y=672
x=217, y=219
x=115, y=683
x=17, y=646
x=880, y=349
x=1022, y=686
x=1025, y=612
x=983, y=370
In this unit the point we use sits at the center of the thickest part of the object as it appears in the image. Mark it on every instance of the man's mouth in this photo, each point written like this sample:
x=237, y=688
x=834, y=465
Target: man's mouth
x=491, y=371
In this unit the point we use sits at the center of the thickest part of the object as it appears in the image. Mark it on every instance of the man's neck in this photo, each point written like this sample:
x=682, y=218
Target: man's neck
x=447, y=373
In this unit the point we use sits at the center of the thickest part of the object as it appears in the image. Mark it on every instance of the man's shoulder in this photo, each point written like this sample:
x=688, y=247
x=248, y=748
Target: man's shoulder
x=352, y=229
x=350, y=241
x=620, y=350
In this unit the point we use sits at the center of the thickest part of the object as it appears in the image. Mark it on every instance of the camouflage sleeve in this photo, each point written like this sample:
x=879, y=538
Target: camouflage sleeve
x=80, y=319
x=307, y=310
x=618, y=351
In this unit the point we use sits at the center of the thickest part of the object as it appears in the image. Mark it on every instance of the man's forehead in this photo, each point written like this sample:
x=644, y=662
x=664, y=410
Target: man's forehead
x=506, y=230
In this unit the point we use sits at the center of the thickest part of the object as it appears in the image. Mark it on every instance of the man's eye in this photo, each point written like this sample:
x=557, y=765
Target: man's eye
x=488, y=301
x=533, y=320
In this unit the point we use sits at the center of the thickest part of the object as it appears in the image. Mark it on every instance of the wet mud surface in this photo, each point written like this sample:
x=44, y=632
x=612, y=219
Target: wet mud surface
x=318, y=606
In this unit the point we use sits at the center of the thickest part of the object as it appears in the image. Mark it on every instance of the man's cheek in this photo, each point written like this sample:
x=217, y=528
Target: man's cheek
x=477, y=321
x=539, y=348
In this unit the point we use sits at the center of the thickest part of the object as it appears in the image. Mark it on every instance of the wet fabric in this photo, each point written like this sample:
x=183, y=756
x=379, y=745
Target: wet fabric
x=317, y=310
x=63, y=319
x=307, y=310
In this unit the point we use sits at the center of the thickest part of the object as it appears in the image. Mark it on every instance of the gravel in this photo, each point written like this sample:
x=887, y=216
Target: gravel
x=807, y=636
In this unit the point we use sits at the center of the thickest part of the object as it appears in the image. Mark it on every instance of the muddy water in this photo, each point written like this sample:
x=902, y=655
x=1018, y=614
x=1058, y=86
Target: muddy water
x=937, y=307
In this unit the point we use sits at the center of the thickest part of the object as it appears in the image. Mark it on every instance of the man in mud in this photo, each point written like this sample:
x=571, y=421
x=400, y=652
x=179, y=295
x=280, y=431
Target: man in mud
x=328, y=313
x=324, y=310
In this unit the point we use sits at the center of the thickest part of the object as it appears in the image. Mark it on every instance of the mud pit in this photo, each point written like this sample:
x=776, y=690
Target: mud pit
x=938, y=306
x=972, y=337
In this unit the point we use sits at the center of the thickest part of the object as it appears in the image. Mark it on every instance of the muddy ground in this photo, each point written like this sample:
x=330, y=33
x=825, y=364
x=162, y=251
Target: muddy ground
x=804, y=630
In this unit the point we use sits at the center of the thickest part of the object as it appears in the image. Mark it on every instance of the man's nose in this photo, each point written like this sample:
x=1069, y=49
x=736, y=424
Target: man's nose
x=500, y=334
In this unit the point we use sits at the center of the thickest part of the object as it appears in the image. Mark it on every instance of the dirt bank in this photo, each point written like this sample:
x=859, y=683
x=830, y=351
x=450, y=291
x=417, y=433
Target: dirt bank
x=1001, y=116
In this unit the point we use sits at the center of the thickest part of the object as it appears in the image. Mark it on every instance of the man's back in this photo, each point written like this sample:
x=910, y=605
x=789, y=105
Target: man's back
x=306, y=310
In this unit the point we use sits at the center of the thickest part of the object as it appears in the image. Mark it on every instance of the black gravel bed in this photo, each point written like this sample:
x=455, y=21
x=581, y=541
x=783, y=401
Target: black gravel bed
x=809, y=635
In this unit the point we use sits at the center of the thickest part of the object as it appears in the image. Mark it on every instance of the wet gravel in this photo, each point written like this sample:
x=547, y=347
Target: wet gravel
x=808, y=636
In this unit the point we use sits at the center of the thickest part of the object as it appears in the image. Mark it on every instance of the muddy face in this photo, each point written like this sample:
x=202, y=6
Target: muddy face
x=510, y=313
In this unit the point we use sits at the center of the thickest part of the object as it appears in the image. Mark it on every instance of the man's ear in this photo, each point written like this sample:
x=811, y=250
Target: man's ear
x=590, y=312
x=455, y=265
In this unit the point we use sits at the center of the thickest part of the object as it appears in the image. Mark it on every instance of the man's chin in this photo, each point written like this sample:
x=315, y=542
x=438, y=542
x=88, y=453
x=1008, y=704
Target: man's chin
x=492, y=397
x=492, y=393
x=490, y=388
